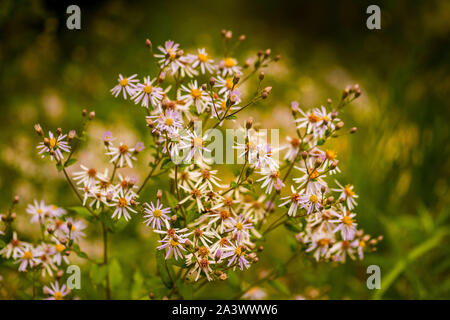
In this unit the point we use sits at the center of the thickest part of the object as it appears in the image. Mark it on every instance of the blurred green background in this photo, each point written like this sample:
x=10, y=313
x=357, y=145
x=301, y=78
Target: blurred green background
x=399, y=160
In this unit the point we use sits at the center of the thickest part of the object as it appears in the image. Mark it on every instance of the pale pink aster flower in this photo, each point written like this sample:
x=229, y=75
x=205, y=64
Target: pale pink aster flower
x=125, y=85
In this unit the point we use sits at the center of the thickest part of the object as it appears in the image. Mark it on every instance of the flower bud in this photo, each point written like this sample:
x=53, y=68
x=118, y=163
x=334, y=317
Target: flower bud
x=46, y=142
x=16, y=199
x=277, y=58
x=261, y=76
x=159, y=194
x=212, y=81
x=204, y=87
x=236, y=78
x=91, y=115
x=173, y=218
x=84, y=112
x=71, y=135
x=318, y=162
x=59, y=131
x=353, y=130
x=228, y=35
x=148, y=43
x=267, y=53
x=249, y=123
x=223, y=276
x=151, y=295
x=242, y=37
x=38, y=129
x=222, y=32
x=162, y=77
x=304, y=155
x=339, y=125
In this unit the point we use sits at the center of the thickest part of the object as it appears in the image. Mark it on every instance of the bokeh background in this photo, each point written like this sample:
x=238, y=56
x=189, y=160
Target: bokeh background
x=399, y=160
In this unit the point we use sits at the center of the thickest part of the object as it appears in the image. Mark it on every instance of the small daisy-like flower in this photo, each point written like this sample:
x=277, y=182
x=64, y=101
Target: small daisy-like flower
x=347, y=194
x=312, y=178
x=156, y=215
x=310, y=202
x=108, y=138
x=224, y=84
x=124, y=204
x=254, y=208
x=294, y=199
x=87, y=176
x=14, y=248
x=228, y=66
x=346, y=224
x=342, y=249
x=167, y=121
x=239, y=228
x=196, y=194
x=54, y=146
x=271, y=180
x=59, y=254
x=321, y=244
x=121, y=155
x=292, y=148
x=236, y=254
x=195, y=96
x=202, y=60
x=207, y=177
x=28, y=258
x=174, y=245
x=38, y=211
x=125, y=85
x=195, y=145
x=55, y=291
x=202, y=260
x=147, y=94
x=202, y=236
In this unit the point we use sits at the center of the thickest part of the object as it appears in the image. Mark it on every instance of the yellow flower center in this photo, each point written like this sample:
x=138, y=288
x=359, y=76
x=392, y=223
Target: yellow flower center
x=148, y=89
x=362, y=244
x=59, y=247
x=40, y=211
x=313, y=199
x=229, y=62
x=122, y=202
x=202, y=57
x=198, y=142
x=330, y=154
x=313, y=175
x=323, y=242
x=203, y=251
x=347, y=220
x=58, y=295
x=223, y=105
x=295, y=197
x=53, y=142
x=168, y=121
x=196, y=93
x=229, y=83
x=28, y=255
x=239, y=251
x=123, y=82
x=174, y=243
x=348, y=191
x=239, y=226
x=313, y=118
x=123, y=149
x=157, y=213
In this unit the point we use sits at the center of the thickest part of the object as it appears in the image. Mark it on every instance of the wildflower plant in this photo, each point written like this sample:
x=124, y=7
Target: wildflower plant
x=205, y=225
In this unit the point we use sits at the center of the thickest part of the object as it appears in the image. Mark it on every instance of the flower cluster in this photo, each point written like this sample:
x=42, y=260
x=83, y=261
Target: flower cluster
x=205, y=225
x=49, y=256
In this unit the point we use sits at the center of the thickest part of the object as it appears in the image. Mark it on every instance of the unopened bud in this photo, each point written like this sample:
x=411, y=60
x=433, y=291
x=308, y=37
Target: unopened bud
x=228, y=35
x=304, y=155
x=242, y=37
x=260, y=248
x=162, y=76
x=323, y=189
x=353, y=130
x=357, y=93
x=12, y=216
x=261, y=76
x=204, y=87
x=38, y=129
x=151, y=295
x=16, y=199
x=223, y=276
x=159, y=194
x=318, y=162
x=46, y=142
x=267, y=53
x=84, y=112
x=339, y=125
x=277, y=58
x=333, y=165
x=247, y=63
x=148, y=43
x=91, y=115
x=223, y=32
x=249, y=123
x=236, y=78
x=173, y=218
x=71, y=135
x=59, y=131
x=212, y=81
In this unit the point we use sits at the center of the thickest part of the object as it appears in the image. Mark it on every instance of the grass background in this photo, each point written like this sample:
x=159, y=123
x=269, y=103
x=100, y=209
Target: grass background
x=398, y=160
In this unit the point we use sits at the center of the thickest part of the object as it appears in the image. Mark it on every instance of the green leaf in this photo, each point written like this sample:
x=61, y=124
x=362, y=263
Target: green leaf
x=137, y=289
x=294, y=227
x=78, y=251
x=59, y=166
x=167, y=164
x=233, y=185
x=115, y=273
x=2, y=243
x=280, y=287
x=163, y=268
x=320, y=141
x=70, y=162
